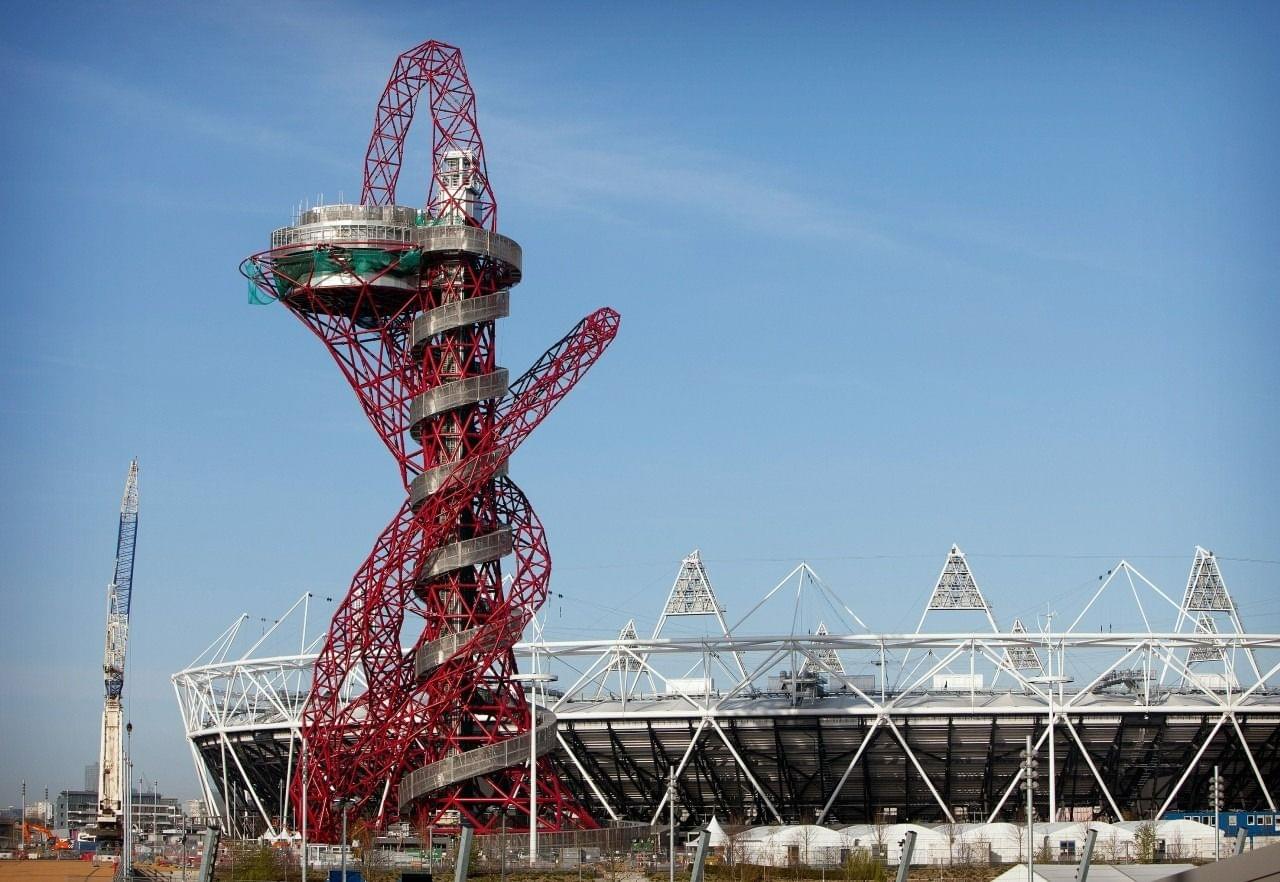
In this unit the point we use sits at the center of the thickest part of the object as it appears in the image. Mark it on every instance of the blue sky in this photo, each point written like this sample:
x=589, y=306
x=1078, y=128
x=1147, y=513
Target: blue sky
x=891, y=277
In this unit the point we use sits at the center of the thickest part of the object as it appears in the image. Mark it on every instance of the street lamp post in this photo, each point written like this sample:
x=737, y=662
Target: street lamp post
x=534, y=679
x=343, y=805
x=1030, y=772
x=502, y=858
x=1215, y=791
x=304, y=809
x=126, y=838
x=671, y=820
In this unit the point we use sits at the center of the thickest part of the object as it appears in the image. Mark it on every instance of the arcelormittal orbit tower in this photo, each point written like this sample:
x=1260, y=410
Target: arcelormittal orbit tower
x=406, y=300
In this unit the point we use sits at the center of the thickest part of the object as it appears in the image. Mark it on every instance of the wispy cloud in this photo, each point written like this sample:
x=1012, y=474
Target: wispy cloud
x=598, y=168
x=575, y=167
x=130, y=100
x=595, y=165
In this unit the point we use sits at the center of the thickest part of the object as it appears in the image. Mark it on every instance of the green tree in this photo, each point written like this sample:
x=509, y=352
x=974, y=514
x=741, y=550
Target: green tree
x=1145, y=835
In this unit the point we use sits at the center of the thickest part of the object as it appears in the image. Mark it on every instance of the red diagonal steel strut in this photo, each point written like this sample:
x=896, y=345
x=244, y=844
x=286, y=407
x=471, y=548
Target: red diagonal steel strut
x=376, y=713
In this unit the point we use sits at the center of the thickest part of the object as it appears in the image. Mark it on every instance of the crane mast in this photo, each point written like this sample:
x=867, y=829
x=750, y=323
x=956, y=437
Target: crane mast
x=111, y=773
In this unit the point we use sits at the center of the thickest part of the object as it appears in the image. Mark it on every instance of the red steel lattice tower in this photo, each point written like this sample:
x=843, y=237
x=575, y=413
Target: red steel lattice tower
x=406, y=300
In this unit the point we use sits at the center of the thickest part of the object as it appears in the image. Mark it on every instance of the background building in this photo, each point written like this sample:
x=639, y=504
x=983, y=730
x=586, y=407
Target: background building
x=40, y=811
x=155, y=814
x=75, y=809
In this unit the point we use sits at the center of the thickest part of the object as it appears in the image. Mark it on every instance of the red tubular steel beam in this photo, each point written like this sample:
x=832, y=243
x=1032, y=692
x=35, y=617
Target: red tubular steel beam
x=438, y=66
x=411, y=324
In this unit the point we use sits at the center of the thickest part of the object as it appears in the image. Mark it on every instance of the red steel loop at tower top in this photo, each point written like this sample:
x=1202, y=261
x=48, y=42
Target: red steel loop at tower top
x=406, y=300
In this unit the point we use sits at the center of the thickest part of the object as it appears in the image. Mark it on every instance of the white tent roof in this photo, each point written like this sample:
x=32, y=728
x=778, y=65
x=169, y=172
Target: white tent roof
x=924, y=835
x=756, y=834
x=808, y=835
x=1131, y=826
x=1064, y=828
x=1079, y=830
x=717, y=835
x=997, y=832
x=1185, y=828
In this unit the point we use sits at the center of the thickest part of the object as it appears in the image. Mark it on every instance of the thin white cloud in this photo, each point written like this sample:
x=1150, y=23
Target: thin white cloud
x=130, y=101
x=568, y=167
x=590, y=165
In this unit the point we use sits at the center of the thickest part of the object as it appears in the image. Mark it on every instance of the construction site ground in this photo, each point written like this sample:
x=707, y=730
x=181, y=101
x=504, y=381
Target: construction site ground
x=54, y=871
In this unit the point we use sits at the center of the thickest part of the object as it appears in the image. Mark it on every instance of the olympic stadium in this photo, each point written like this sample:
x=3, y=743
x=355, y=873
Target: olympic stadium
x=832, y=722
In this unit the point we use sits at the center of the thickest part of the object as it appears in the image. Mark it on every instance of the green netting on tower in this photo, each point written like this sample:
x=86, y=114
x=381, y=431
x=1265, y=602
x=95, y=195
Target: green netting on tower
x=258, y=287
x=363, y=263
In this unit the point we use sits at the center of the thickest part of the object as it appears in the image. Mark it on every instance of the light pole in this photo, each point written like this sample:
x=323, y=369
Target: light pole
x=1030, y=772
x=534, y=679
x=343, y=805
x=304, y=809
x=502, y=859
x=1215, y=791
x=126, y=838
x=671, y=820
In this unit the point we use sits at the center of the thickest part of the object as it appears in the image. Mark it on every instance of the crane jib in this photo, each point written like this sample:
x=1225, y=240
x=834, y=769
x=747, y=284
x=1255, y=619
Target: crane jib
x=120, y=591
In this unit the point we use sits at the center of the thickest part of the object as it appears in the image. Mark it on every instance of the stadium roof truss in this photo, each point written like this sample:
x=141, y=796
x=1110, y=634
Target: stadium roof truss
x=812, y=725
x=241, y=711
x=789, y=745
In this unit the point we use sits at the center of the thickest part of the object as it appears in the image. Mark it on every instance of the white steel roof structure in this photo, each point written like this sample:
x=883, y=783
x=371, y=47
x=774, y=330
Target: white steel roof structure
x=765, y=726
x=1122, y=722
x=242, y=710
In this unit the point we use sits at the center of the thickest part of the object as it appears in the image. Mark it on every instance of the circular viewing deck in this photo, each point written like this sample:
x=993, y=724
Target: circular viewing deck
x=352, y=225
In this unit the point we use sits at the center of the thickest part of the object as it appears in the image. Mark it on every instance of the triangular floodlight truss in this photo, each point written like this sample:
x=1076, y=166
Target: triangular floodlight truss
x=1021, y=658
x=623, y=666
x=955, y=591
x=623, y=660
x=1206, y=595
x=1206, y=592
x=823, y=660
x=692, y=595
x=1206, y=625
x=956, y=587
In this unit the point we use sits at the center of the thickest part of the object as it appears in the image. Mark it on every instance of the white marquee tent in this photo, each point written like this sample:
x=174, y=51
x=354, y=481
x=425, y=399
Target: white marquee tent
x=803, y=843
x=960, y=843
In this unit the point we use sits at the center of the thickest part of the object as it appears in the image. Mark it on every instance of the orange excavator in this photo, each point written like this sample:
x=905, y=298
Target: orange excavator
x=50, y=838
